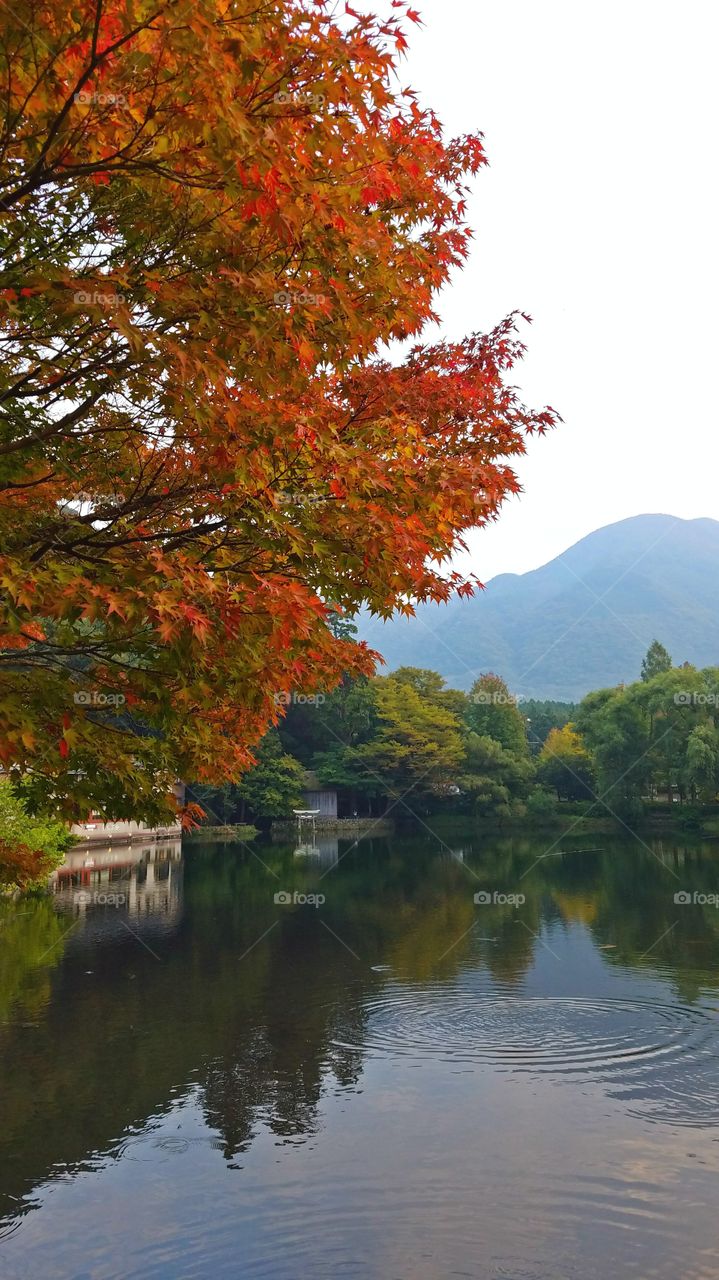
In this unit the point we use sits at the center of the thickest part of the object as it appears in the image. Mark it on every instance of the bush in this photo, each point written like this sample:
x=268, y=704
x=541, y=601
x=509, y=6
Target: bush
x=628, y=809
x=30, y=848
x=689, y=818
x=541, y=805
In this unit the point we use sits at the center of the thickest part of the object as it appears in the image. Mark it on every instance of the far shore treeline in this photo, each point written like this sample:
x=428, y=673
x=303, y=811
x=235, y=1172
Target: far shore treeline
x=404, y=744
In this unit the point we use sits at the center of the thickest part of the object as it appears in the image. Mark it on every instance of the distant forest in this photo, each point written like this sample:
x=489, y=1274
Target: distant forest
x=405, y=743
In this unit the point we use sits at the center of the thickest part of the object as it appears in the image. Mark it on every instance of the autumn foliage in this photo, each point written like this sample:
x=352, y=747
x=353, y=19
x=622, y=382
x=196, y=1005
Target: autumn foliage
x=214, y=217
x=30, y=849
x=21, y=866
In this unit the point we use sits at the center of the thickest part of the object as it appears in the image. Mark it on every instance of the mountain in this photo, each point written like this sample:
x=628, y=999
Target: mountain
x=584, y=621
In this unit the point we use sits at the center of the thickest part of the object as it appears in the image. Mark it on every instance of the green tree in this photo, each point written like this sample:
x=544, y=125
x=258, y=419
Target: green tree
x=492, y=777
x=328, y=722
x=616, y=734
x=417, y=747
x=492, y=712
x=432, y=686
x=673, y=702
x=346, y=719
x=541, y=716
x=566, y=765
x=656, y=661
x=30, y=848
x=273, y=788
x=702, y=761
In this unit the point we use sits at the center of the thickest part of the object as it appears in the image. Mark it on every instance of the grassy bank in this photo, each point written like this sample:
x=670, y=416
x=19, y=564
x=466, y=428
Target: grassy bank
x=228, y=832
x=588, y=818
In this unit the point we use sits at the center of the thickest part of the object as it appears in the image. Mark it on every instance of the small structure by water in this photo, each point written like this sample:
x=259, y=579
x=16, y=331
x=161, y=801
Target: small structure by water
x=306, y=817
x=95, y=830
x=318, y=797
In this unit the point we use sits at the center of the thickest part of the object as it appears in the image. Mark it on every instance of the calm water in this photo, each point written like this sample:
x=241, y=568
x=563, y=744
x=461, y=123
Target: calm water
x=397, y=1082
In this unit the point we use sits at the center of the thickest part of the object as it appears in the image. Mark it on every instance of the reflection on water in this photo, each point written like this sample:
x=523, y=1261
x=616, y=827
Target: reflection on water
x=326, y=849
x=130, y=888
x=409, y=1057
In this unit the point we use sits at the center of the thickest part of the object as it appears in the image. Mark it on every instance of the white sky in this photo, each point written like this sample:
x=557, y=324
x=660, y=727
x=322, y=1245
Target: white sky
x=598, y=215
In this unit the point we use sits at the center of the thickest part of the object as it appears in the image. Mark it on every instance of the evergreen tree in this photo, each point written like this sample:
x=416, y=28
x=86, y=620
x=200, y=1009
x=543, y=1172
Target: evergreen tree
x=656, y=661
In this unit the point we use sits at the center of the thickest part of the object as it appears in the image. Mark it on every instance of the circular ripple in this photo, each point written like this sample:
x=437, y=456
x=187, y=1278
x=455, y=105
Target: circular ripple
x=658, y=1052
x=153, y=1149
x=549, y=1033
x=661, y=1059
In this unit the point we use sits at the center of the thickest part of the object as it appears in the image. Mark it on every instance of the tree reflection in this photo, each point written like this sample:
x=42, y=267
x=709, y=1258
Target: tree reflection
x=261, y=1008
x=31, y=944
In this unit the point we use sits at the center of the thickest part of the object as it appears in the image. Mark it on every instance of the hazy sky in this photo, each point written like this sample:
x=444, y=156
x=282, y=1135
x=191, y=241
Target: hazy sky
x=598, y=215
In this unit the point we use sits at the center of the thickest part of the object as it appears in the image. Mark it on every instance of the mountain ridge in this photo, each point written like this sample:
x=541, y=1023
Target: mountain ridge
x=582, y=621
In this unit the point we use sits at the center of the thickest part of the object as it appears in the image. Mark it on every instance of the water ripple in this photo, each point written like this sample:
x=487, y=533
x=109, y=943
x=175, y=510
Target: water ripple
x=667, y=1055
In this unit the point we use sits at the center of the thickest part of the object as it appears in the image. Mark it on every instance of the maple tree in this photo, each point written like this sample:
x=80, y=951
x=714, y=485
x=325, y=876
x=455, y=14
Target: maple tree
x=213, y=218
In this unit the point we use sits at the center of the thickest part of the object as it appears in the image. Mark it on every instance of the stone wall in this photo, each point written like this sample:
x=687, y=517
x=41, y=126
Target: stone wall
x=337, y=826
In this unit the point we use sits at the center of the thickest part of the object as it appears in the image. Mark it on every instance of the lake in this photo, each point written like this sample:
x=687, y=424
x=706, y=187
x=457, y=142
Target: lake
x=429, y=1055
